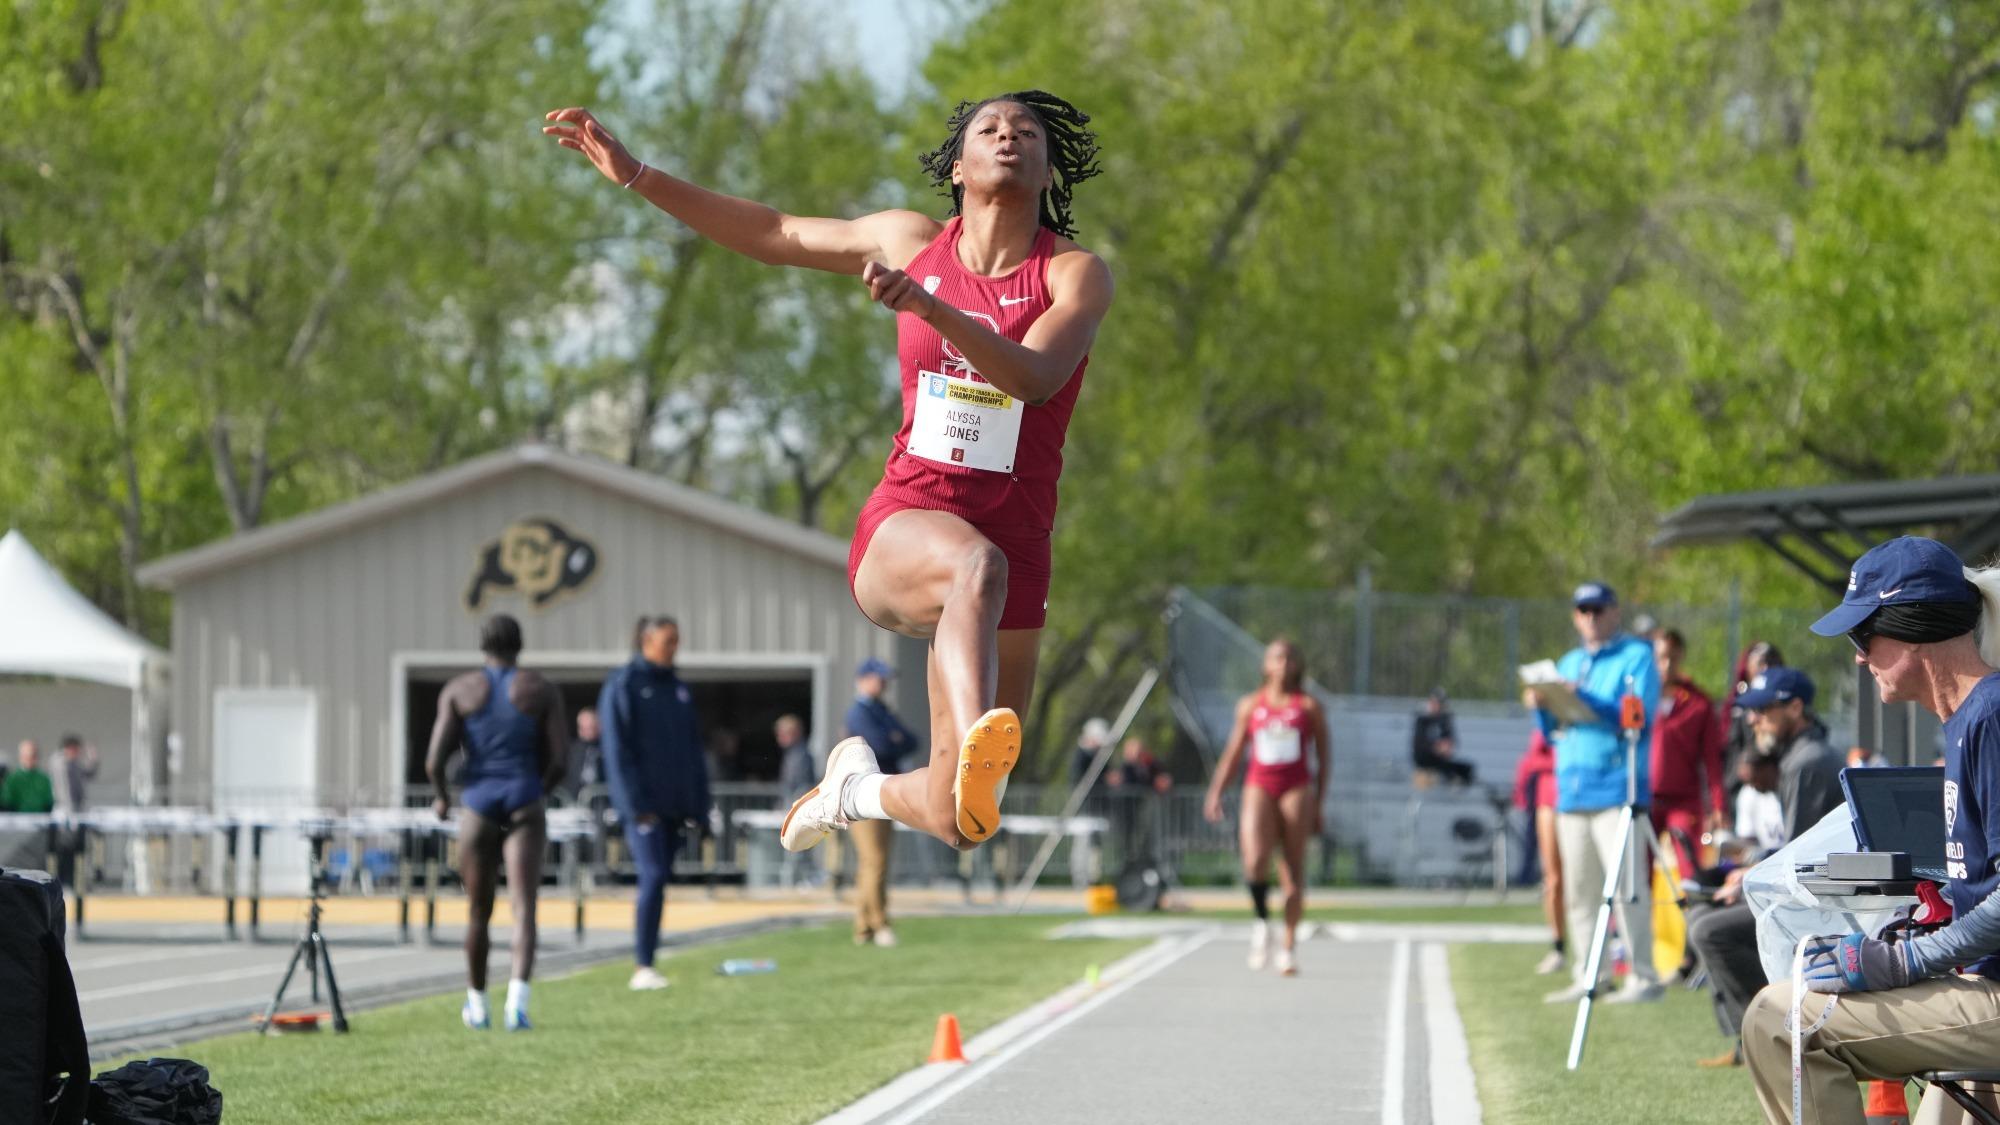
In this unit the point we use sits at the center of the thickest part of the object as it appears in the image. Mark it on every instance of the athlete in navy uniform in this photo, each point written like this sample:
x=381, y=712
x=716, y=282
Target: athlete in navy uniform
x=512, y=726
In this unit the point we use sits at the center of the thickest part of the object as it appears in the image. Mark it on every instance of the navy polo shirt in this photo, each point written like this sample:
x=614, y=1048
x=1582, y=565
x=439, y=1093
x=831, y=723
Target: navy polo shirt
x=1972, y=806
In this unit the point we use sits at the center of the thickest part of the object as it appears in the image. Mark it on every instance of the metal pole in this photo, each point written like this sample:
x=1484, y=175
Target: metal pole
x=1735, y=632
x=1513, y=631
x=1364, y=628
x=1082, y=788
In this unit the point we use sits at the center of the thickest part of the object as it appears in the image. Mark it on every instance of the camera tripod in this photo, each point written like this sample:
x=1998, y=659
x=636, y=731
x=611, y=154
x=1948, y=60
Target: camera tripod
x=1631, y=875
x=312, y=948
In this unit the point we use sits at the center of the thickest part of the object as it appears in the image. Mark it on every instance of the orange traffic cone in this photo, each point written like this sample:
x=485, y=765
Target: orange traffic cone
x=945, y=1047
x=1886, y=1105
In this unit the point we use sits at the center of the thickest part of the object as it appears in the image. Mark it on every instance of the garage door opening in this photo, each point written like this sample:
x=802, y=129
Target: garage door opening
x=738, y=709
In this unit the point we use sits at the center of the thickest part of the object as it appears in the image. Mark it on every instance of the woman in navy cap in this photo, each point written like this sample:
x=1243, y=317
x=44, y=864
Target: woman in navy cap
x=1914, y=614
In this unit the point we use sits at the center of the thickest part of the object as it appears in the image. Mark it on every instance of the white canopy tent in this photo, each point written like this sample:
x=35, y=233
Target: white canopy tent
x=48, y=629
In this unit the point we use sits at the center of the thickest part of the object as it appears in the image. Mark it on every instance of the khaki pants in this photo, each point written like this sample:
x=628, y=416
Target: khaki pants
x=1588, y=844
x=1950, y=1023
x=873, y=841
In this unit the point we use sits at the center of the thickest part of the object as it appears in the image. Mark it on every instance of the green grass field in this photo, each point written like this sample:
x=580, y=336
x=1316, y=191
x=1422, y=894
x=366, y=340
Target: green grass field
x=833, y=1023
x=1639, y=1062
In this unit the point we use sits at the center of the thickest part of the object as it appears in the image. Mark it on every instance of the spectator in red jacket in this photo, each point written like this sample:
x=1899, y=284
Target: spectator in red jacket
x=1535, y=791
x=1687, y=753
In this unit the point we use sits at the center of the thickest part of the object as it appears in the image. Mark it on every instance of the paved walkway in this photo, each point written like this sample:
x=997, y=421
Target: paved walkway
x=1367, y=1033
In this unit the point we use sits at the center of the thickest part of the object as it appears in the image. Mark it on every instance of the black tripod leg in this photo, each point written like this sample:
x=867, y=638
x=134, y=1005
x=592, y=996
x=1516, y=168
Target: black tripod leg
x=332, y=986
x=312, y=964
x=271, y=1012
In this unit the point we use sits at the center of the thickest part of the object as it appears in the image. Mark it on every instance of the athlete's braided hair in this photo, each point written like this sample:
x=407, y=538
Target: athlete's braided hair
x=1072, y=152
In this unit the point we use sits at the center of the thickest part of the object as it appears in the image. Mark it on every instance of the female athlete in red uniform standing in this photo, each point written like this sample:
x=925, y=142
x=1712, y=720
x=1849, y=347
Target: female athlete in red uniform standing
x=996, y=309
x=1282, y=792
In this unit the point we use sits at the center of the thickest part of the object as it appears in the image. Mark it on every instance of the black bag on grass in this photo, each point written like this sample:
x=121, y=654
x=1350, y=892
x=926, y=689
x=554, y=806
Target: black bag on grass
x=45, y=1070
x=155, y=1092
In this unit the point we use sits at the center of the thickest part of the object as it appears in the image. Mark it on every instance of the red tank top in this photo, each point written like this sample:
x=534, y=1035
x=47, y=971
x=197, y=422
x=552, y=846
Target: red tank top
x=1279, y=737
x=966, y=447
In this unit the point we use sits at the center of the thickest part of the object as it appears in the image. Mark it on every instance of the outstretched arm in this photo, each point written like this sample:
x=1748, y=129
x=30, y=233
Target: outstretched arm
x=749, y=228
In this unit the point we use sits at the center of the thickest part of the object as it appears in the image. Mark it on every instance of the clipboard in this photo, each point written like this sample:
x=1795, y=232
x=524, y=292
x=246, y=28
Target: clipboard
x=1558, y=697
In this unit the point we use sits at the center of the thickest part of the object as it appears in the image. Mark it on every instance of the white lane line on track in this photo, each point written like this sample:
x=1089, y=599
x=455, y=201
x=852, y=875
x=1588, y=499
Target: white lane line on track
x=82, y=961
x=88, y=965
x=919, y=1092
x=1395, y=1035
x=260, y=970
x=1454, y=1094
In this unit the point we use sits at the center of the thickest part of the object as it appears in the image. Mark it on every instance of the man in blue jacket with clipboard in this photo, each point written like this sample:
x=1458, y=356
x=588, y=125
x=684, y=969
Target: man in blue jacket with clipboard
x=1592, y=787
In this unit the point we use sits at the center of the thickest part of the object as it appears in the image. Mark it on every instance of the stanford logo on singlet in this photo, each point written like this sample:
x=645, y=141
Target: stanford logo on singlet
x=961, y=419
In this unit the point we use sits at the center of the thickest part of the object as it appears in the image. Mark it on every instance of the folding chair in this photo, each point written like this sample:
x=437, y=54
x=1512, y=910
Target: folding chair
x=1950, y=1081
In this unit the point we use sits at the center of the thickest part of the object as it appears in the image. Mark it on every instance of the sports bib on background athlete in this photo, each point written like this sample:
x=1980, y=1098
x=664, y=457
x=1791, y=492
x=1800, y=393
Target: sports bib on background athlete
x=960, y=421
x=1276, y=745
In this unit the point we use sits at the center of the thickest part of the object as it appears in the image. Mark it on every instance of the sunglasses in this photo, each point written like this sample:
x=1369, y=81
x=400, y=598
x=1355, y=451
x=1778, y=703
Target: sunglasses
x=1593, y=610
x=1859, y=637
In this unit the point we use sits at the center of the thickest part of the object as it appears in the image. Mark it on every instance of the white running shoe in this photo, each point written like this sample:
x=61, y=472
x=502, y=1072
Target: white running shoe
x=475, y=1020
x=1575, y=992
x=819, y=812
x=1635, y=993
x=1287, y=964
x=885, y=938
x=646, y=979
x=1260, y=945
x=1552, y=962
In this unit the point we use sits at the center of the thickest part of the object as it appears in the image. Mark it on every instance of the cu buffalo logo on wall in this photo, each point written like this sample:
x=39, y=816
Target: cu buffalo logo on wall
x=536, y=558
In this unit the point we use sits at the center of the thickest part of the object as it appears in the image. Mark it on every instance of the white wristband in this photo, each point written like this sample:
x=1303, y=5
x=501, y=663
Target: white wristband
x=636, y=175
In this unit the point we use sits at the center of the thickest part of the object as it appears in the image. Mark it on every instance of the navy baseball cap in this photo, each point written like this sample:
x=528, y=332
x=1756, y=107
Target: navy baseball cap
x=1778, y=685
x=1901, y=571
x=1593, y=594
x=874, y=666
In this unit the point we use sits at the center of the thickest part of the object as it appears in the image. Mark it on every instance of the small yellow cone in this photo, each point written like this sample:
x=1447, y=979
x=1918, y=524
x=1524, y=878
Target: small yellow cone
x=1090, y=976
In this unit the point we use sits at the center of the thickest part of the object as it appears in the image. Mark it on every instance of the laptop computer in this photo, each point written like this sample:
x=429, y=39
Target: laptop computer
x=1899, y=809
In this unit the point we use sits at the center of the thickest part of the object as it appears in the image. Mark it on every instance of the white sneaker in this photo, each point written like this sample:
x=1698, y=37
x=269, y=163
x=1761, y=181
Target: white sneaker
x=1287, y=964
x=1552, y=962
x=885, y=938
x=1575, y=992
x=1635, y=993
x=1260, y=945
x=819, y=812
x=646, y=979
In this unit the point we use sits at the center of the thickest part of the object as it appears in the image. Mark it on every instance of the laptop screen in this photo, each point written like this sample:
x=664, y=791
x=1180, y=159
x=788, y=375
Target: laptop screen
x=1899, y=809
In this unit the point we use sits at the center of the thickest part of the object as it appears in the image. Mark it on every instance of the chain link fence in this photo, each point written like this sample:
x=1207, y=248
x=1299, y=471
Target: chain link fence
x=1362, y=642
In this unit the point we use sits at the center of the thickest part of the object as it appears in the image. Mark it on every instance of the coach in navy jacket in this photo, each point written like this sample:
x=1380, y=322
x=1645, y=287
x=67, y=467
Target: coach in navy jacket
x=653, y=761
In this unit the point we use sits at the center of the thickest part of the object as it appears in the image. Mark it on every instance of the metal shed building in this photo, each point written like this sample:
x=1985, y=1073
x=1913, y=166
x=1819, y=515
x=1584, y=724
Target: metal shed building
x=310, y=652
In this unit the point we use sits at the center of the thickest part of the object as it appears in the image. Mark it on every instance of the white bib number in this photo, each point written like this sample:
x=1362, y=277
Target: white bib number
x=961, y=422
x=1276, y=746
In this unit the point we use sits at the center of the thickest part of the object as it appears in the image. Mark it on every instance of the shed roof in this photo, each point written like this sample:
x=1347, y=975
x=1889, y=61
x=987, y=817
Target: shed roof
x=666, y=495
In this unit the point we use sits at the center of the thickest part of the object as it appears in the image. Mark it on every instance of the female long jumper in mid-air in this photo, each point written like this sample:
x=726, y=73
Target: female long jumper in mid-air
x=996, y=310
